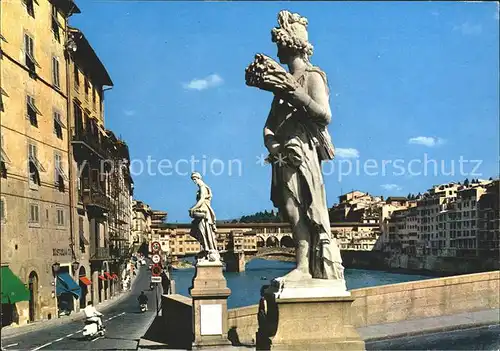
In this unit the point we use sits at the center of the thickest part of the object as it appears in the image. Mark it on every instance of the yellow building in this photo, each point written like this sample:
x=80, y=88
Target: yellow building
x=37, y=240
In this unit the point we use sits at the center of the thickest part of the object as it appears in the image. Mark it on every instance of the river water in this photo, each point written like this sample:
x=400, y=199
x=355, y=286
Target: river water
x=245, y=286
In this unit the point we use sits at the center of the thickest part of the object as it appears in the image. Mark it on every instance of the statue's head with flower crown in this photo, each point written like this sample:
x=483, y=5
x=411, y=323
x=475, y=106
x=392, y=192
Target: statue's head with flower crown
x=291, y=37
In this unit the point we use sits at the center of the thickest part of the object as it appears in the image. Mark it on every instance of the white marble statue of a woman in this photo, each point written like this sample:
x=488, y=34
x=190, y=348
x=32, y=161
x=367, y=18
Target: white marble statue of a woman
x=203, y=226
x=296, y=137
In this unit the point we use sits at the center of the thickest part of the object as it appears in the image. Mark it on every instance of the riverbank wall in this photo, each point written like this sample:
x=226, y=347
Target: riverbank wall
x=398, y=302
x=425, y=265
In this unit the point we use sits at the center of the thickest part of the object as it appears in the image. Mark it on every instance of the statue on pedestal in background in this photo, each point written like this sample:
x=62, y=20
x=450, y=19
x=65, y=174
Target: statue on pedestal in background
x=296, y=136
x=203, y=225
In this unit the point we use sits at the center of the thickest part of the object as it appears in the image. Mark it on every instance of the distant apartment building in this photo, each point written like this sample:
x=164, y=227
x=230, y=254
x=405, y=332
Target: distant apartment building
x=158, y=218
x=449, y=220
x=489, y=222
x=249, y=237
x=141, y=224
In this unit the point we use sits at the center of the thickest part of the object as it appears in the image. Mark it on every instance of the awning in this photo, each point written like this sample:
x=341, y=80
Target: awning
x=66, y=284
x=107, y=275
x=13, y=289
x=85, y=280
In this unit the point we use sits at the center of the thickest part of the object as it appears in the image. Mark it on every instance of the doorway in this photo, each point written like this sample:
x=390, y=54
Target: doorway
x=83, y=287
x=33, y=304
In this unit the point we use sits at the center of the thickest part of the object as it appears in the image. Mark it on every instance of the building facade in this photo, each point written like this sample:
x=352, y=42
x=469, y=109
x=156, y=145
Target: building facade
x=38, y=239
x=59, y=194
x=141, y=224
x=252, y=236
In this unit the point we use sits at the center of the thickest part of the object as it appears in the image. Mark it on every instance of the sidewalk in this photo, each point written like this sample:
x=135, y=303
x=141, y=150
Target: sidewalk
x=430, y=325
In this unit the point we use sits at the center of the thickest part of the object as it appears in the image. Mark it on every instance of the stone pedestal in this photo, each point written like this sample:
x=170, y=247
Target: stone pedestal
x=289, y=319
x=209, y=293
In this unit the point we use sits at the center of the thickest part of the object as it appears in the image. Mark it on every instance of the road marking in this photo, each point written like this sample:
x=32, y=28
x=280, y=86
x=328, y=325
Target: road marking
x=3, y=348
x=67, y=336
x=97, y=338
x=41, y=347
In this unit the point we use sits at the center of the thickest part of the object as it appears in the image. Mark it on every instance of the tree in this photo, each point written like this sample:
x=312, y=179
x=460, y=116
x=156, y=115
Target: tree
x=466, y=182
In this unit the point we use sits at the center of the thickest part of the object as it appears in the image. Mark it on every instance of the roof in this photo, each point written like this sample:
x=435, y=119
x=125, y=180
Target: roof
x=86, y=59
x=67, y=6
x=396, y=198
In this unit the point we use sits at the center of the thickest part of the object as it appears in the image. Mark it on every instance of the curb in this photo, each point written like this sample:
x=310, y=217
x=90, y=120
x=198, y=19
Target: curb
x=433, y=331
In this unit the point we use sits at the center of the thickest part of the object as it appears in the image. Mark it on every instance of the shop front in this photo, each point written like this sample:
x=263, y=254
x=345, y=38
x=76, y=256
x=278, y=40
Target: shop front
x=67, y=290
x=13, y=291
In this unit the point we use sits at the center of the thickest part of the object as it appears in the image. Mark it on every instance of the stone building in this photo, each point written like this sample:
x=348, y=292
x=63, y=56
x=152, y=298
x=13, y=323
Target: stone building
x=158, y=218
x=38, y=236
x=449, y=220
x=252, y=236
x=141, y=224
x=102, y=178
x=57, y=187
x=489, y=222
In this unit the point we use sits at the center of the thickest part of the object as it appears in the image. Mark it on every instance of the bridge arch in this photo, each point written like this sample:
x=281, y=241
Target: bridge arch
x=272, y=241
x=287, y=241
x=261, y=242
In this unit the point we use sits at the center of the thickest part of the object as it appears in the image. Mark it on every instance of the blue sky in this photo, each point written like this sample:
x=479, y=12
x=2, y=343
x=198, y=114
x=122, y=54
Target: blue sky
x=409, y=81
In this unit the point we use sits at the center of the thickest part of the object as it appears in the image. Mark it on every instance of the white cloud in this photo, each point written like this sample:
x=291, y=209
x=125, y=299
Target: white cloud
x=211, y=81
x=426, y=141
x=129, y=113
x=469, y=29
x=391, y=187
x=346, y=153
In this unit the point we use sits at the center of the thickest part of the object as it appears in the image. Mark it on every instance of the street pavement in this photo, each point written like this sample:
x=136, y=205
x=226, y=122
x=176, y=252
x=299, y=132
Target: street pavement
x=482, y=338
x=124, y=322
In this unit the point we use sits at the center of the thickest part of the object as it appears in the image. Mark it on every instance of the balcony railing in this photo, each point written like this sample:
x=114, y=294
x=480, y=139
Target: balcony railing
x=99, y=253
x=119, y=252
x=93, y=142
x=96, y=198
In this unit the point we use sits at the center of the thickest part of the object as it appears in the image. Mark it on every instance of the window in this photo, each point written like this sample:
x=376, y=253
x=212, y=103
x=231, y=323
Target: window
x=34, y=215
x=2, y=210
x=2, y=93
x=86, y=86
x=3, y=159
x=58, y=125
x=55, y=24
x=60, y=217
x=58, y=171
x=32, y=111
x=30, y=8
x=77, y=77
x=29, y=51
x=55, y=72
x=93, y=97
x=34, y=165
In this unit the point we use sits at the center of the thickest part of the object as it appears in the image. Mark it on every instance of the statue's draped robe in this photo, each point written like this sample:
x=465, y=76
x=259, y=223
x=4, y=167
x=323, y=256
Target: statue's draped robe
x=304, y=142
x=203, y=229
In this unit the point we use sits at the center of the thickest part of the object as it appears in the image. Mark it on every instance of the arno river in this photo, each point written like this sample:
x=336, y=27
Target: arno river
x=245, y=287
